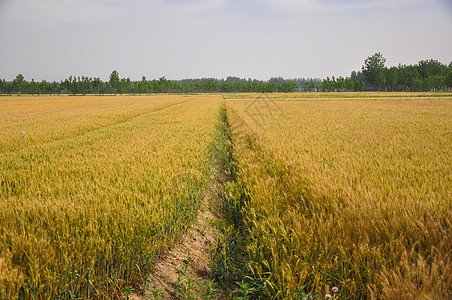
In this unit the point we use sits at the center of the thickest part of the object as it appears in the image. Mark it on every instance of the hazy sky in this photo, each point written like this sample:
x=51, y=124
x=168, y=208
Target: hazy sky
x=52, y=39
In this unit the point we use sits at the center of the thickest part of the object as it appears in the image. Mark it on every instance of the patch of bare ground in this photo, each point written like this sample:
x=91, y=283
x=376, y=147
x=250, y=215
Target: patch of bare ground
x=184, y=271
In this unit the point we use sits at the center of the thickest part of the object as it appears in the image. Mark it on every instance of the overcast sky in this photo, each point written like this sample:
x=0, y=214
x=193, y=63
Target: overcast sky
x=52, y=39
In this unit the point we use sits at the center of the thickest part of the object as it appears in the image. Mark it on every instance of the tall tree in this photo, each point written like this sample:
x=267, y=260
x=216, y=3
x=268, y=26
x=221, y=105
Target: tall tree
x=5, y=87
x=44, y=87
x=114, y=80
x=142, y=85
x=124, y=86
x=18, y=83
x=85, y=85
x=409, y=78
x=392, y=77
x=55, y=87
x=33, y=87
x=97, y=82
x=374, y=69
x=2, y=86
x=71, y=85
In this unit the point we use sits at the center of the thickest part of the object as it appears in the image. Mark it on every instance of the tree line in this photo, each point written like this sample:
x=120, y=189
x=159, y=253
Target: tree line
x=87, y=85
x=427, y=75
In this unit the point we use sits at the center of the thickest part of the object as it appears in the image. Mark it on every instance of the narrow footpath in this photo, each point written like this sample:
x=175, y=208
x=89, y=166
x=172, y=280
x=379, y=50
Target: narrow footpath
x=184, y=272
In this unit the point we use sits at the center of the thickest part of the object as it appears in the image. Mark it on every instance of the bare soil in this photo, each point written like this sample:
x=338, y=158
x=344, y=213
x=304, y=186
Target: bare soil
x=194, y=251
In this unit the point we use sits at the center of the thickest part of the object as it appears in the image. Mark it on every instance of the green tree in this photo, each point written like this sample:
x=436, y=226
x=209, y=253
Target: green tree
x=142, y=85
x=392, y=77
x=6, y=87
x=359, y=85
x=163, y=85
x=44, y=87
x=2, y=86
x=431, y=67
x=97, y=82
x=18, y=83
x=209, y=85
x=33, y=87
x=114, y=80
x=326, y=84
x=124, y=86
x=448, y=79
x=409, y=78
x=55, y=87
x=85, y=85
x=340, y=83
x=436, y=82
x=287, y=86
x=374, y=69
x=71, y=85
x=349, y=84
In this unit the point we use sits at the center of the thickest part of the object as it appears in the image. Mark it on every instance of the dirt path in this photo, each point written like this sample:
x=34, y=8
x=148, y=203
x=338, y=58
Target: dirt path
x=184, y=272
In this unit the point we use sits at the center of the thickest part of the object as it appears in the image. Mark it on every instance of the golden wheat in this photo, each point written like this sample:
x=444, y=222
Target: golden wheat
x=93, y=189
x=353, y=192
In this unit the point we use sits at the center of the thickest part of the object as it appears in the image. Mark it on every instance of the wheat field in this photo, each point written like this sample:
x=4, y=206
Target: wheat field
x=351, y=191
x=94, y=189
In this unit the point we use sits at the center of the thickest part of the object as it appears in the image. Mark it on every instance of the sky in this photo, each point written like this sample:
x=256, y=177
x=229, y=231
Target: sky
x=53, y=39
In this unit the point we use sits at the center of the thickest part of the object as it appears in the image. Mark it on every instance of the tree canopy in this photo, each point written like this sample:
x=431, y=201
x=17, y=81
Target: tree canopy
x=114, y=80
x=374, y=69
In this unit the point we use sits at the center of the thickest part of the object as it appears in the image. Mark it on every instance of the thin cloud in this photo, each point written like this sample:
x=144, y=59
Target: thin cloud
x=336, y=5
x=196, y=5
x=177, y=6
x=62, y=12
